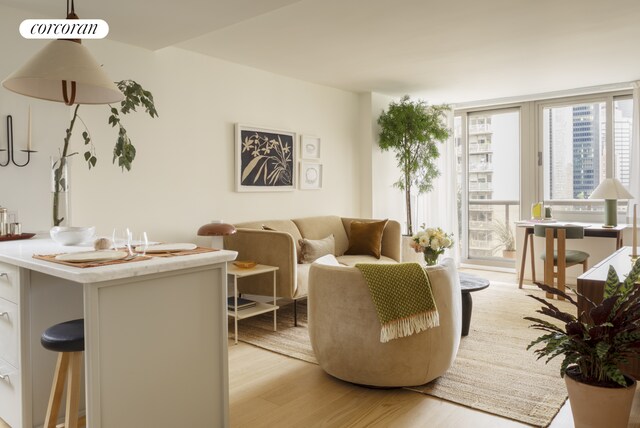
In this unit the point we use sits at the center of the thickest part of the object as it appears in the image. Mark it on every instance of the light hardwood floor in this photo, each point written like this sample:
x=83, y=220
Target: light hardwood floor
x=268, y=390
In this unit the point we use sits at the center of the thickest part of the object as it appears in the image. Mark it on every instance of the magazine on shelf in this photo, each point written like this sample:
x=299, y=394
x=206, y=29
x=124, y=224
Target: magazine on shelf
x=242, y=303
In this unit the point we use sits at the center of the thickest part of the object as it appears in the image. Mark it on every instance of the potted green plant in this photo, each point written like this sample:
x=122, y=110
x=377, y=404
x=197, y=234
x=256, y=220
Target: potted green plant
x=595, y=346
x=124, y=151
x=411, y=129
x=504, y=235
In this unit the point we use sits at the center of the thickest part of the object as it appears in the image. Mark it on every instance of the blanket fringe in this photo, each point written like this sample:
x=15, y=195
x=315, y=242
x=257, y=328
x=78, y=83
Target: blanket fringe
x=407, y=326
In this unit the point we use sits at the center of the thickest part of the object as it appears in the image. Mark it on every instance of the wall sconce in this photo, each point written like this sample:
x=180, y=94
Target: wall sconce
x=10, y=149
x=216, y=231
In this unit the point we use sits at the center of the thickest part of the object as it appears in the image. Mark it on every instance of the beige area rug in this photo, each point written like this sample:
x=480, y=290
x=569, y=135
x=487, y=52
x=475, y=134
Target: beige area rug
x=493, y=371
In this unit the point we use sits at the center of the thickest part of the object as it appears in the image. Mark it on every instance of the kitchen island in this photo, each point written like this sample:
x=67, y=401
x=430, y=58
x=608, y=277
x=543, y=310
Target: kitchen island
x=155, y=336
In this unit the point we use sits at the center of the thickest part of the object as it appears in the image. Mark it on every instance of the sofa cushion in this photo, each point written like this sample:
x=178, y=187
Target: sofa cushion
x=311, y=249
x=366, y=238
x=302, y=280
x=323, y=226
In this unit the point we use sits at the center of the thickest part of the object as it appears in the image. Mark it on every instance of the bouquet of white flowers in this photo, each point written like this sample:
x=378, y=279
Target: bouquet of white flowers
x=431, y=242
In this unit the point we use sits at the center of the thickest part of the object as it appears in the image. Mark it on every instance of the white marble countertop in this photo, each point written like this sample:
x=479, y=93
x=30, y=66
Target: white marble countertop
x=20, y=253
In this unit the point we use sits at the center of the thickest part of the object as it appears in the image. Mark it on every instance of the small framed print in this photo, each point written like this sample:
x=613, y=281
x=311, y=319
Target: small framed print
x=309, y=147
x=310, y=176
x=265, y=159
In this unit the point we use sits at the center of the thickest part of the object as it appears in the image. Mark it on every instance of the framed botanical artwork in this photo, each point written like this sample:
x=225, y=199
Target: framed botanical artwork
x=310, y=175
x=309, y=147
x=265, y=159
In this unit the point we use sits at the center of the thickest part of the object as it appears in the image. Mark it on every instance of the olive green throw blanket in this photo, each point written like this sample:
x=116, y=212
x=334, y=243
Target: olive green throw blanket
x=402, y=296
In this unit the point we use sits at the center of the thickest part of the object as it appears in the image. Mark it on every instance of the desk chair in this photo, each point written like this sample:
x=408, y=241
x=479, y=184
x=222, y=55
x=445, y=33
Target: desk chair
x=562, y=258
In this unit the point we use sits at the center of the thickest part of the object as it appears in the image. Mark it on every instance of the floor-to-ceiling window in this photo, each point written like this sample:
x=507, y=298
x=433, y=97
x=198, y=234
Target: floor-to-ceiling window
x=488, y=146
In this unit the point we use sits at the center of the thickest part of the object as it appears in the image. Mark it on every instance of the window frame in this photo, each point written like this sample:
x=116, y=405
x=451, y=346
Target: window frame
x=608, y=98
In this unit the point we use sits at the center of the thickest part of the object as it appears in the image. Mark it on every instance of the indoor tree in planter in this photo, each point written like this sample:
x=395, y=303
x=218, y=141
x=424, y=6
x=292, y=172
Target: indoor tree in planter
x=411, y=129
x=124, y=151
x=594, y=348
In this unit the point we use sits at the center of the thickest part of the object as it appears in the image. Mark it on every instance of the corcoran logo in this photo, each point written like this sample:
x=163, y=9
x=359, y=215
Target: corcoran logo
x=64, y=29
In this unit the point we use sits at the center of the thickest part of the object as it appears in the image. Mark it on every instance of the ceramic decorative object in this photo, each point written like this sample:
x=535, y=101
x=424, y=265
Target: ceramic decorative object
x=72, y=235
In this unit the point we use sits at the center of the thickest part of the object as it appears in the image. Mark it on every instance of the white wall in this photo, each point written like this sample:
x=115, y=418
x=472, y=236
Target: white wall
x=183, y=175
x=26, y=190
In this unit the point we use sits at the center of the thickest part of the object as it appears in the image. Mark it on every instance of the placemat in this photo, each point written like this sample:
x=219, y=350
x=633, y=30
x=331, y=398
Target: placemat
x=197, y=250
x=52, y=258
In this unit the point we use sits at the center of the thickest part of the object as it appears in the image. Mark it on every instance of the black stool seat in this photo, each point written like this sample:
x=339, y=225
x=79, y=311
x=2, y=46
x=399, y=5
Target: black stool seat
x=64, y=337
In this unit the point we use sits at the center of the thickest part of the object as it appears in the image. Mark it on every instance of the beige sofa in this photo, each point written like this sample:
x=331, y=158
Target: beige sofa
x=345, y=331
x=280, y=247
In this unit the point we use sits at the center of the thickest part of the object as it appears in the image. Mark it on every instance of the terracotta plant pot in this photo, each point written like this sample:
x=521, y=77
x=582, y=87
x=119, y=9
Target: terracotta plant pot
x=509, y=254
x=595, y=406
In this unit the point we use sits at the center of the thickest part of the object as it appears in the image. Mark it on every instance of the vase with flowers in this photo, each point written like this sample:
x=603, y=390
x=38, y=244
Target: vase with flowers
x=431, y=242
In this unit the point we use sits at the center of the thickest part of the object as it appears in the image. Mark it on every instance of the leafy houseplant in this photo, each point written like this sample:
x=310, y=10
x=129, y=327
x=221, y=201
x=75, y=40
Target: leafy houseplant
x=504, y=235
x=124, y=151
x=411, y=129
x=595, y=347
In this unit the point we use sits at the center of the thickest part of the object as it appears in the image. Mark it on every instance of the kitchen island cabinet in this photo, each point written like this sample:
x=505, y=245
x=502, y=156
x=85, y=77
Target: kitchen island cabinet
x=155, y=336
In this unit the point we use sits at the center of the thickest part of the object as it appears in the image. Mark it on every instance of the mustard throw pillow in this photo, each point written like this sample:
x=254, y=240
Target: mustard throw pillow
x=366, y=238
x=311, y=249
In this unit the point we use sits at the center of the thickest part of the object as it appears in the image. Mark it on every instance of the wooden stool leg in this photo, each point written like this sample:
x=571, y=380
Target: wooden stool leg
x=57, y=388
x=548, y=261
x=585, y=266
x=562, y=261
x=73, y=390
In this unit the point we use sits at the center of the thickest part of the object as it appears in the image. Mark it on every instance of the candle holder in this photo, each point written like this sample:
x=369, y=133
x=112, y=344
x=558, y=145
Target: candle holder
x=10, y=149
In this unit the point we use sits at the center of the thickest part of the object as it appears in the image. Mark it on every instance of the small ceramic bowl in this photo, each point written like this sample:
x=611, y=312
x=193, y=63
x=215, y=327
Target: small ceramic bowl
x=72, y=235
x=245, y=264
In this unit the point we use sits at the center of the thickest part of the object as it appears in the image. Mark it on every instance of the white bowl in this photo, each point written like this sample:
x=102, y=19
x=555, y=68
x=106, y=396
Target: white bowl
x=71, y=235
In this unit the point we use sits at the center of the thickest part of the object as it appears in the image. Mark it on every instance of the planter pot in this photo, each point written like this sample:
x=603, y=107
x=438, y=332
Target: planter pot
x=596, y=406
x=509, y=254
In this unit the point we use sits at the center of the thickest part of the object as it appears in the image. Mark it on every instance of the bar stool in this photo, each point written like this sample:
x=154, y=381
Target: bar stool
x=67, y=339
x=562, y=258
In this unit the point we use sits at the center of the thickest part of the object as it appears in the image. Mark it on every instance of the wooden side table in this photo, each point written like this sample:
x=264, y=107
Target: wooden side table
x=236, y=272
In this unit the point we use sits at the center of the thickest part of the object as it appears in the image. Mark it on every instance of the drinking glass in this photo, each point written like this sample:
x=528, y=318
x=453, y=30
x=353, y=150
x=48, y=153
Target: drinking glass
x=121, y=239
x=142, y=244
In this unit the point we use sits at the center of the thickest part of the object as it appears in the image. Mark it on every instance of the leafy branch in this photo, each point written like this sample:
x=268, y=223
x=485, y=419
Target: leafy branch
x=124, y=150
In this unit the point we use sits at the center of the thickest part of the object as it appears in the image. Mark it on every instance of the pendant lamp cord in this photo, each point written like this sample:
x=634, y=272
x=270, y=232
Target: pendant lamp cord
x=72, y=9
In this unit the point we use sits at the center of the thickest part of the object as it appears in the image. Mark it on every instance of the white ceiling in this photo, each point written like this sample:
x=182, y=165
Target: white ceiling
x=444, y=51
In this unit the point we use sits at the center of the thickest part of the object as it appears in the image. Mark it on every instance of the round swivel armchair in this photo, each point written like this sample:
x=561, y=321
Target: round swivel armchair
x=345, y=331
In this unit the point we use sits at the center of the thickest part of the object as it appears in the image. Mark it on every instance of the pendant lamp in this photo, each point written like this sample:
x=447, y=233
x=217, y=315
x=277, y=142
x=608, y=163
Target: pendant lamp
x=64, y=71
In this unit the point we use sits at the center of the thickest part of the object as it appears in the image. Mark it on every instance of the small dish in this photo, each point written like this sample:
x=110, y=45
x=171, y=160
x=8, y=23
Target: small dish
x=245, y=264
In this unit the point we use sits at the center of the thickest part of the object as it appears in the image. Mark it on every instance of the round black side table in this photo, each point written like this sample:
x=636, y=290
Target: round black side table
x=468, y=284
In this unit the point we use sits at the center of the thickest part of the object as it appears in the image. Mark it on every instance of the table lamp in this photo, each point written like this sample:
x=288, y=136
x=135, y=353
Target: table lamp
x=610, y=190
x=216, y=230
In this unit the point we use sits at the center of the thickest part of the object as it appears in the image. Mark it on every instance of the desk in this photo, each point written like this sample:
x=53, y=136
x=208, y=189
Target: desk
x=155, y=330
x=591, y=286
x=590, y=230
